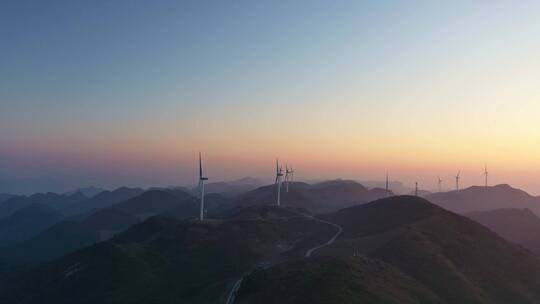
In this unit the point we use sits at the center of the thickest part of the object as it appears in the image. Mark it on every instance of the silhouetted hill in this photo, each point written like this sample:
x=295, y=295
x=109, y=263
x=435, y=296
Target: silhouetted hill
x=88, y=192
x=265, y=212
x=5, y=197
x=520, y=226
x=67, y=236
x=26, y=223
x=164, y=260
x=354, y=280
x=318, y=198
x=110, y=219
x=216, y=206
x=457, y=259
x=153, y=202
x=395, y=186
x=480, y=198
x=61, y=238
x=232, y=188
x=103, y=200
x=54, y=200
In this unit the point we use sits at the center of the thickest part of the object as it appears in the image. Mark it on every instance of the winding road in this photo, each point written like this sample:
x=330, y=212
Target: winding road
x=232, y=294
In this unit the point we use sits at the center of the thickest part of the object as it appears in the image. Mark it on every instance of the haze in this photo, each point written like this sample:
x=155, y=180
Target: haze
x=122, y=93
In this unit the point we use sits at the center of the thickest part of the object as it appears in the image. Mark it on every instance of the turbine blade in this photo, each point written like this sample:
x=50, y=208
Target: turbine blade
x=200, y=166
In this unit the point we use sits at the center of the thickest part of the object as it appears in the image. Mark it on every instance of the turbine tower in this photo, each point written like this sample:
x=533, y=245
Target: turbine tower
x=289, y=176
x=386, y=187
x=202, y=179
x=457, y=180
x=279, y=175
x=416, y=188
x=439, y=183
x=485, y=175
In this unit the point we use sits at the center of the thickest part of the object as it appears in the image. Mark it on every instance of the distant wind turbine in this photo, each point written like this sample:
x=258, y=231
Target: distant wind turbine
x=386, y=188
x=416, y=188
x=279, y=175
x=485, y=175
x=457, y=180
x=202, y=179
x=439, y=183
x=289, y=176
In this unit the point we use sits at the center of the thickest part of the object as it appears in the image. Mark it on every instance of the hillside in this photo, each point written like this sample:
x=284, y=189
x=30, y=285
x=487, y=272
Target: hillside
x=154, y=202
x=26, y=223
x=164, y=260
x=520, y=226
x=432, y=254
x=53, y=200
x=318, y=198
x=104, y=199
x=478, y=198
x=59, y=239
x=354, y=280
x=5, y=196
x=67, y=236
x=109, y=219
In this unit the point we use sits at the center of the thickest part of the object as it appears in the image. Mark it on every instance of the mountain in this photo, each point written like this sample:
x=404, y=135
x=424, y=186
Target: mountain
x=59, y=239
x=88, y=192
x=104, y=199
x=478, y=198
x=520, y=226
x=232, y=188
x=423, y=253
x=153, y=202
x=109, y=220
x=67, y=236
x=318, y=198
x=54, y=200
x=164, y=260
x=215, y=205
x=5, y=197
x=394, y=186
x=26, y=223
x=353, y=280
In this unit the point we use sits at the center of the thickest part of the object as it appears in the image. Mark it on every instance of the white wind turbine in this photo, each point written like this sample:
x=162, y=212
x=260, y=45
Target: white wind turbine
x=485, y=175
x=279, y=175
x=457, y=180
x=202, y=179
x=289, y=176
x=386, y=186
x=439, y=183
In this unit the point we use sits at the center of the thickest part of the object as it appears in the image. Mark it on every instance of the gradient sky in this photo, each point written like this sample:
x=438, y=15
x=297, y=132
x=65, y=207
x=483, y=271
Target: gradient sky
x=126, y=92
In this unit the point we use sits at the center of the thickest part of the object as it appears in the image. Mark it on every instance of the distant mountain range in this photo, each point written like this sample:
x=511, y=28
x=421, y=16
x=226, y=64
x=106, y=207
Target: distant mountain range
x=88, y=192
x=520, y=226
x=135, y=246
x=318, y=198
x=479, y=198
x=27, y=222
x=395, y=186
x=395, y=250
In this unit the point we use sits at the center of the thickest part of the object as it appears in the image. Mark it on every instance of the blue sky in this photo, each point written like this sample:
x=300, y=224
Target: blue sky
x=131, y=90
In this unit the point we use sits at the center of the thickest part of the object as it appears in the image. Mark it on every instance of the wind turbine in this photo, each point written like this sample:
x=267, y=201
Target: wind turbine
x=485, y=174
x=202, y=179
x=416, y=188
x=386, y=187
x=289, y=175
x=439, y=183
x=457, y=180
x=279, y=175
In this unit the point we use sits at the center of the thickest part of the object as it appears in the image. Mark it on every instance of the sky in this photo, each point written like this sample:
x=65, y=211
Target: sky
x=112, y=93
